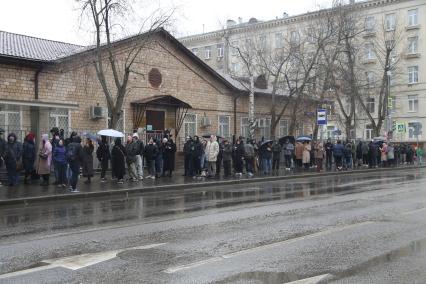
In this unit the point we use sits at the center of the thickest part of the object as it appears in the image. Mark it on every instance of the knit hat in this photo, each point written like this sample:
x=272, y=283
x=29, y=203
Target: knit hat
x=135, y=135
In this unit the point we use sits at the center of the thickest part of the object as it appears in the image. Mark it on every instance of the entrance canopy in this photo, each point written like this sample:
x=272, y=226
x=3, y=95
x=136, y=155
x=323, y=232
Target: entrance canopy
x=139, y=109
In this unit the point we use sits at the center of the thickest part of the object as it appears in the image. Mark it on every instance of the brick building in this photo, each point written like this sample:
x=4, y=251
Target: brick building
x=45, y=83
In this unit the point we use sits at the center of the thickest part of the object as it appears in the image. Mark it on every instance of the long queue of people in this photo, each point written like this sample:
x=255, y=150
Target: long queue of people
x=204, y=157
x=69, y=158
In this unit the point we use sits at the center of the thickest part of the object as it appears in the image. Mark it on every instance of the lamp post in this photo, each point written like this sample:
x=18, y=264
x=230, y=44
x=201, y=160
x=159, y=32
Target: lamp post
x=388, y=105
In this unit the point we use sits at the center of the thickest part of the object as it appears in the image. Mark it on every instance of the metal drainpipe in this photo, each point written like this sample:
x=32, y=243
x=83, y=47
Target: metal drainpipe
x=36, y=80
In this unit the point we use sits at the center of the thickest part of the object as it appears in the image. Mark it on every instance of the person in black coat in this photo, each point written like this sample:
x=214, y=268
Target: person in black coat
x=118, y=160
x=187, y=156
x=150, y=153
x=87, y=160
x=196, y=155
x=2, y=148
x=29, y=153
x=239, y=157
x=103, y=154
x=12, y=155
x=169, y=157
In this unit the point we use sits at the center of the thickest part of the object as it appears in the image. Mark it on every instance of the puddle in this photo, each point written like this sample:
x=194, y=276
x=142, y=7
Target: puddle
x=259, y=277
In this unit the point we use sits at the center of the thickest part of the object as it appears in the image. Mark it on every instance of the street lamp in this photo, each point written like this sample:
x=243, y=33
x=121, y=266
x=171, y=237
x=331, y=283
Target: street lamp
x=388, y=105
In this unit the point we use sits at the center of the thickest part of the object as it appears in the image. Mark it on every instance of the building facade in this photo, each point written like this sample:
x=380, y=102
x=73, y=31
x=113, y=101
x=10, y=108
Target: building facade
x=407, y=102
x=45, y=84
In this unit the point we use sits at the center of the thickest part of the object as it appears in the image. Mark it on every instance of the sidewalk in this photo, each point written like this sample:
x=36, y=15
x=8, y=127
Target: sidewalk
x=24, y=194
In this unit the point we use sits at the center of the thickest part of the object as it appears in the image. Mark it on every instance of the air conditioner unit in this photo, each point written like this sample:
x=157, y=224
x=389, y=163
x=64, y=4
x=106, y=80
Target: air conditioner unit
x=96, y=112
x=205, y=121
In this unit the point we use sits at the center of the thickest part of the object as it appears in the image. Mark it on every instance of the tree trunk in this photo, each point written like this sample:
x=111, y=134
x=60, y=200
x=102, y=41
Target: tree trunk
x=252, y=121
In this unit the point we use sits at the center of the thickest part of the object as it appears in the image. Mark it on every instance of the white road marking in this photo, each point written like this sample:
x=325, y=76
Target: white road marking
x=78, y=261
x=262, y=247
x=312, y=280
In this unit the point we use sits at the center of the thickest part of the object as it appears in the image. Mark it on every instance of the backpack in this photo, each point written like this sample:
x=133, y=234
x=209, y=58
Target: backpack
x=72, y=152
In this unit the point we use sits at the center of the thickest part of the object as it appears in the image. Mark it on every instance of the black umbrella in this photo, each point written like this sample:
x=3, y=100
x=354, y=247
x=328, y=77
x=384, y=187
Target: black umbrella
x=266, y=142
x=209, y=135
x=288, y=138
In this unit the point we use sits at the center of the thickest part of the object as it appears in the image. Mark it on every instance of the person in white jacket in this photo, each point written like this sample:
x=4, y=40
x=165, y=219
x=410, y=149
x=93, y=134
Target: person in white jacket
x=211, y=152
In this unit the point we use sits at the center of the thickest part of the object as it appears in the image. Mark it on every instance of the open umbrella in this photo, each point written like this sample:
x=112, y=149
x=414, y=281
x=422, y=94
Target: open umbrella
x=111, y=133
x=266, y=142
x=304, y=138
x=208, y=136
x=288, y=138
x=90, y=136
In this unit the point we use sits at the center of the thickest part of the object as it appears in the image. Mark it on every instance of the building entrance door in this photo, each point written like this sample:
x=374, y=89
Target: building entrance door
x=155, y=119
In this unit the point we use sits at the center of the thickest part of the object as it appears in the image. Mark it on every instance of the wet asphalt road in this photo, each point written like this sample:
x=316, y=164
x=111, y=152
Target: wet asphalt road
x=367, y=228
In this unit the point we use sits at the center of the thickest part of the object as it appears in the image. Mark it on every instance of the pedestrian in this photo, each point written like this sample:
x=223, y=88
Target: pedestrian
x=68, y=141
x=391, y=155
x=373, y=153
x=410, y=154
x=219, y=159
x=276, y=154
x=29, y=154
x=12, y=157
x=306, y=154
x=319, y=156
x=150, y=153
x=338, y=151
x=118, y=160
x=299, y=154
x=74, y=157
x=419, y=154
x=348, y=155
x=266, y=153
x=60, y=163
x=384, y=154
x=249, y=155
x=54, y=142
x=238, y=152
x=227, y=157
x=187, y=156
x=139, y=156
x=211, y=152
x=159, y=157
x=365, y=153
x=359, y=158
x=203, y=163
x=44, y=159
x=104, y=156
x=2, y=148
x=288, y=154
x=328, y=154
x=169, y=157
x=131, y=152
x=87, y=160
x=197, y=152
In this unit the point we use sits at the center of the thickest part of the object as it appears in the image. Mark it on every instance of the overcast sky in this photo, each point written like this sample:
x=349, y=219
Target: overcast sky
x=59, y=19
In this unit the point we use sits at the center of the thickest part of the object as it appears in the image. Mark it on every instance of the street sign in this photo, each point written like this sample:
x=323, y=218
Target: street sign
x=400, y=128
x=321, y=116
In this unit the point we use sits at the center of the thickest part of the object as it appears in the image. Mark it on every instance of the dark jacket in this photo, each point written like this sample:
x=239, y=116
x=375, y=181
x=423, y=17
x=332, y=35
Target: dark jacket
x=29, y=153
x=359, y=151
x=227, y=152
x=249, y=151
x=103, y=153
x=132, y=150
x=288, y=149
x=118, y=159
x=169, y=156
x=328, y=148
x=338, y=150
x=150, y=152
x=87, y=160
x=276, y=150
x=58, y=155
x=76, y=143
x=239, y=152
x=266, y=152
x=2, y=150
x=187, y=147
x=13, y=151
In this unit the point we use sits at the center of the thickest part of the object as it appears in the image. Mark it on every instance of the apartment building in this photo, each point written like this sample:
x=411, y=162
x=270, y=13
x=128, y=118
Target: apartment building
x=405, y=19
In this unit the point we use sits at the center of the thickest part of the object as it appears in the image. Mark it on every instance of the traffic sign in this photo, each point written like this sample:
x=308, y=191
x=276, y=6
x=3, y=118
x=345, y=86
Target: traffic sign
x=321, y=116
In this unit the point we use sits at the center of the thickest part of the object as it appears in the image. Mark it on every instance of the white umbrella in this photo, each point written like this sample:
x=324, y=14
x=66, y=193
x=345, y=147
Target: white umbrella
x=111, y=133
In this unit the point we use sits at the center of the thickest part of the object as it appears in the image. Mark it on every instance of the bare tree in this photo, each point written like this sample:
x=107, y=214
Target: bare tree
x=105, y=17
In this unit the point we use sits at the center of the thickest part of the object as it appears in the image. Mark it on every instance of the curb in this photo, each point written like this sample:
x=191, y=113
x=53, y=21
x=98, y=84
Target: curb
x=163, y=188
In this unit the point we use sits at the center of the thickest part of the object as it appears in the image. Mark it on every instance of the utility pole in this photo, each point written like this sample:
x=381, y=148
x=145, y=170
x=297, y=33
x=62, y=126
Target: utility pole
x=388, y=111
x=252, y=120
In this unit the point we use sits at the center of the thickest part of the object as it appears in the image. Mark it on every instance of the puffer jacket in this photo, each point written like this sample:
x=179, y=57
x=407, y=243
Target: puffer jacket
x=212, y=150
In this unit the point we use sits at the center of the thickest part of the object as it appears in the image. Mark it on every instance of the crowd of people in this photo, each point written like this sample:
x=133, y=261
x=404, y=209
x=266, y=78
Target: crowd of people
x=204, y=157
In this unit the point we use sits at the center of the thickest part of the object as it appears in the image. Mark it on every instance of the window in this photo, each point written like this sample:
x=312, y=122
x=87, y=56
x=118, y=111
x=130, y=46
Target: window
x=220, y=50
x=207, y=52
x=195, y=51
x=59, y=118
x=392, y=103
x=414, y=130
x=370, y=24
x=371, y=79
x=369, y=51
x=330, y=109
x=234, y=47
x=413, y=19
x=190, y=125
x=10, y=119
x=412, y=44
x=283, y=128
x=279, y=40
x=368, y=132
x=294, y=37
x=390, y=22
x=245, y=127
x=370, y=104
x=265, y=127
x=262, y=42
x=311, y=35
x=413, y=103
x=235, y=67
x=413, y=74
x=331, y=132
x=224, y=123
x=248, y=44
